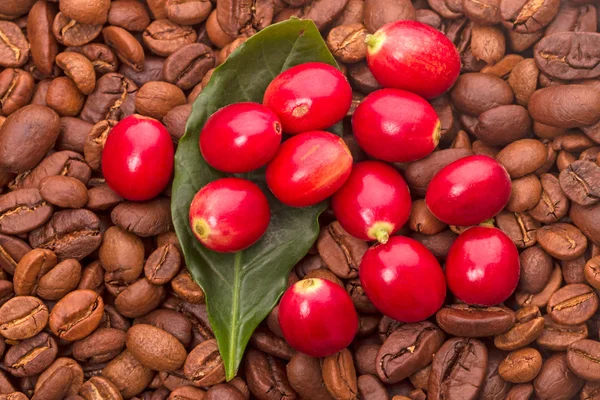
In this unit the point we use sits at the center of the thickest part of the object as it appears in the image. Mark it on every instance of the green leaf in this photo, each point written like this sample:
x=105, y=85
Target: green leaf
x=242, y=288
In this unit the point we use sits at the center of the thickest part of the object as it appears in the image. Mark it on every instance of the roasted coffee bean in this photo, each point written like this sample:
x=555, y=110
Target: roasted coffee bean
x=67, y=163
x=170, y=321
x=541, y=299
x=73, y=132
x=128, y=375
x=78, y=68
x=521, y=366
x=451, y=10
x=458, y=369
x=369, y=387
x=12, y=250
x=86, y=12
x=526, y=193
x=122, y=256
x=582, y=358
x=503, y=68
x=488, y=43
x=76, y=315
x=408, y=349
x=365, y=357
x=339, y=375
x=63, y=370
x=573, y=141
x=156, y=99
x=127, y=48
x=70, y=32
x=129, y=14
x=561, y=240
x=526, y=330
x=64, y=97
x=378, y=13
x=16, y=89
x=63, y=191
x=555, y=380
x=113, y=98
x=98, y=387
x=39, y=32
x=573, y=304
x=565, y=106
x=204, y=366
x=419, y=173
x=592, y=271
x=526, y=16
x=187, y=66
x=522, y=157
x=100, y=55
x=185, y=288
x=469, y=321
x=69, y=234
x=468, y=97
x=219, y=392
x=494, y=386
x=580, y=181
x=266, y=341
x=484, y=13
x=102, y=345
x=102, y=198
x=422, y=220
x=361, y=78
x=31, y=356
x=520, y=227
x=22, y=317
x=139, y=298
x=155, y=348
x=163, y=37
x=502, y=125
x=22, y=211
x=585, y=218
x=341, y=252
x=14, y=48
x=163, y=264
x=60, y=280
x=590, y=391
x=32, y=129
x=187, y=12
x=536, y=269
x=175, y=121
x=560, y=55
x=94, y=142
x=553, y=204
x=558, y=337
x=573, y=270
x=573, y=18
x=347, y=42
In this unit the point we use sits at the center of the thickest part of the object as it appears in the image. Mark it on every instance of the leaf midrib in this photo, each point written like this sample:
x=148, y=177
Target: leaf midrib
x=237, y=264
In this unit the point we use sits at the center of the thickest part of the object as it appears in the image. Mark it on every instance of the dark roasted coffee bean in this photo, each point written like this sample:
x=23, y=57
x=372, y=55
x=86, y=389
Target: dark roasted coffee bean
x=144, y=219
x=555, y=380
x=526, y=330
x=76, y=315
x=379, y=12
x=102, y=345
x=188, y=12
x=526, y=16
x=553, y=204
x=494, y=386
x=12, y=250
x=22, y=317
x=488, y=43
x=361, y=78
x=484, y=13
x=582, y=358
x=422, y=220
x=305, y=377
x=73, y=132
x=580, y=181
x=187, y=66
x=266, y=341
x=521, y=366
x=69, y=32
x=69, y=234
x=561, y=55
x=67, y=163
x=541, y=299
x=408, y=349
x=163, y=264
x=175, y=121
x=94, y=142
x=100, y=55
x=365, y=357
x=22, y=211
x=128, y=375
x=113, y=98
x=573, y=270
x=163, y=37
x=573, y=304
x=468, y=97
x=31, y=356
x=129, y=14
x=122, y=256
x=63, y=376
x=341, y=252
x=32, y=129
x=16, y=89
x=204, y=366
x=561, y=240
x=369, y=387
x=64, y=191
x=102, y=198
x=458, y=370
x=170, y=321
x=156, y=348
x=139, y=298
x=520, y=227
x=565, y=106
x=469, y=321
x=339, y=376
x=499, y=126
x=219, y=392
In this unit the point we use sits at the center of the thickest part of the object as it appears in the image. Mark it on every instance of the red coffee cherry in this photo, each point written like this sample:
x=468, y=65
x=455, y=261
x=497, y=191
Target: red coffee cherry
x=403, y=279
x=240, y=137
x=309, y=96
x=373, y=203
x=137, y=160
x=229, y=214
x=396, y=126
x=309, y=168
x=482, y=266
x=317, y=317
x=469, y=191
x=413, y=56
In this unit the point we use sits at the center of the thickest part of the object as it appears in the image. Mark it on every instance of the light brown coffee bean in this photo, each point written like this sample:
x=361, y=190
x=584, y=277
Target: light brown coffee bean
x=521, y=366
x=155, y=348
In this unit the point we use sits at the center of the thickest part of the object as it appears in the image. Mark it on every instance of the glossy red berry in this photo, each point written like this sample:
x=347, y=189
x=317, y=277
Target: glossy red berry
x=308, y=97
x=309, y=168
x=240, y=137
x=396, y=126
x=373, y=203
x=229, y=214
x=403, y=279
x=469, y=191
x=137, y=160
x=413, y=56
x=317, y=317
x=482, y=266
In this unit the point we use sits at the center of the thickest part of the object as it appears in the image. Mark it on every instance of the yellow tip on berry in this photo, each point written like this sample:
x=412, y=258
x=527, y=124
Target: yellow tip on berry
x=380, y=231
x=374, y=41
x=308, y=285
x=201, y=228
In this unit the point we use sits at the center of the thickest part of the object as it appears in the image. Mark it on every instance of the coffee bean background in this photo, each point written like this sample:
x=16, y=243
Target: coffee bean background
x=95, y=300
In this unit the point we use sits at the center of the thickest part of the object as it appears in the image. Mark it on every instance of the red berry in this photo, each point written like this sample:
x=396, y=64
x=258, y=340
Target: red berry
x=308, y=97
x=309, y=168
x=317, y=317
x=396, y=126
x=469, y=191
x=403, y=279
x=240, y=137
x=482, y=266
x=413, y=56
x=373, y=203
x=137, y=160
x=229, y=214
